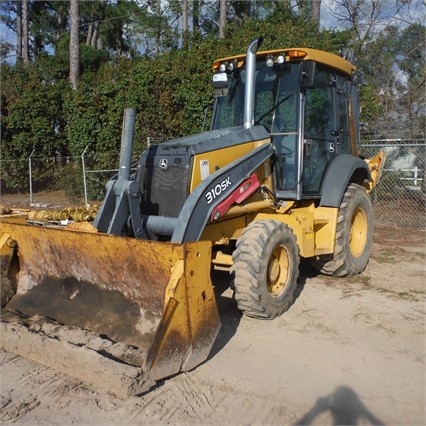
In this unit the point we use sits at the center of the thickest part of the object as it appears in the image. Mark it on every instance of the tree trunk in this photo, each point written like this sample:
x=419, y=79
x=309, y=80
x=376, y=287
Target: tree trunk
x=61, y=24
x=222, y=18
x=195, y=16
x=94, y=37
x=89, y=34
x=19, y=30
x=315, y=12
x=184, y=16
x=158, y=29
x=99, y=41
x=25, y=33
x=74, y=43
x=185, y=29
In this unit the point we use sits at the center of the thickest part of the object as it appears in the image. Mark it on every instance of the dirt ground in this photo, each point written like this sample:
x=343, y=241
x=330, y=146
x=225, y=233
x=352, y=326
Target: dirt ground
x=348, y=351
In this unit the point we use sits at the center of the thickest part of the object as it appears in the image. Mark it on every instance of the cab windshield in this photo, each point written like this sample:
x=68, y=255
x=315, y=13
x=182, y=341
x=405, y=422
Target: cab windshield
x=275, y=107
x=275, y=98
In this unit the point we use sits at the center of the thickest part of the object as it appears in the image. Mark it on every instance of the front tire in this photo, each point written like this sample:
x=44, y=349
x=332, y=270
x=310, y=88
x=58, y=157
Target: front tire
x=265, y=268
x=354, y=236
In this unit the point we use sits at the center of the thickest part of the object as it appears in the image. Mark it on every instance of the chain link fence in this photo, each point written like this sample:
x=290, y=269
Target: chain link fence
x=81, y=179
x=399, y=200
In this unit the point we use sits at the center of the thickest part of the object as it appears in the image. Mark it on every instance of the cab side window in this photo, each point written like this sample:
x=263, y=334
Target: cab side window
x=319, y=130
x=319, y=117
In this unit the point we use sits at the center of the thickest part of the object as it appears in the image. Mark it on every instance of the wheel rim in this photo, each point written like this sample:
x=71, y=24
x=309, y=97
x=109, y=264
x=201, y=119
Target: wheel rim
x=358, y=234
x=278, y=271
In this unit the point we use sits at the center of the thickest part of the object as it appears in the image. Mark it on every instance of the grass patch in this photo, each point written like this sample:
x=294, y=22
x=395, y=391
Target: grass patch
x=386, y=256
x=410, y=294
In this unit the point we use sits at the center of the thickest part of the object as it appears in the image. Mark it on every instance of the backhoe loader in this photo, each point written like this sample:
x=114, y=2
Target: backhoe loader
x=129, y=300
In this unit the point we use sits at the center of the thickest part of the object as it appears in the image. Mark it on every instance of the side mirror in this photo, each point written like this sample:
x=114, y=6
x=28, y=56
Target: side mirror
x=309, y=69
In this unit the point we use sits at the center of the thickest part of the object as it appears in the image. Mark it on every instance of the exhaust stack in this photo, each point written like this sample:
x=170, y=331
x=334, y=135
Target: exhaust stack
x=250, y=80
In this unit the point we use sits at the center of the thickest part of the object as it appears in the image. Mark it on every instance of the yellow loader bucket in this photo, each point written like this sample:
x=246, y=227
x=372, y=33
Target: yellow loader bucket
x=117, y=312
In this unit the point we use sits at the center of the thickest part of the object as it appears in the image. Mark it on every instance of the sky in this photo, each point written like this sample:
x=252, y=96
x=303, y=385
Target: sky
x=413, y=10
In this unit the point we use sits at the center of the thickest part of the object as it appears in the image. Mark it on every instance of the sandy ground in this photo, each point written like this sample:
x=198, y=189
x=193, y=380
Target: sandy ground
x=348, y=351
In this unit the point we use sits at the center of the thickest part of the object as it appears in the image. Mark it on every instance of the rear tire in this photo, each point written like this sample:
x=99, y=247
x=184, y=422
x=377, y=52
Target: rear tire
x=354, y=236
x=265, y=268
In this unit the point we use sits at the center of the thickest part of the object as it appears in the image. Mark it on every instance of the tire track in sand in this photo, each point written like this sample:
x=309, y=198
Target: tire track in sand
x=186, y=400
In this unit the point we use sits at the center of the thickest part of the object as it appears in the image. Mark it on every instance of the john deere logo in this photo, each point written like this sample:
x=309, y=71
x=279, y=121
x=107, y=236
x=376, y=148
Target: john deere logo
x=164, y=164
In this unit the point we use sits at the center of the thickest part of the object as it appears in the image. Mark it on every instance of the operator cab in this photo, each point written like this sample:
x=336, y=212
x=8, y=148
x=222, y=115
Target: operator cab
x=302, y=98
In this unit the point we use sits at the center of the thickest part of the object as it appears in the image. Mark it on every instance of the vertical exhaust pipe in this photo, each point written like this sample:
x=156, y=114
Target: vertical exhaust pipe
x=250, y=81
x=127, y=144
x=115, y=208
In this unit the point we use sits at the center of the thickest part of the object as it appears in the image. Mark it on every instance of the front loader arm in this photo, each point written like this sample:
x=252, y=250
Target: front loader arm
x=121, y=206
x=123, y=197
x=212, y=191
x=122, y=201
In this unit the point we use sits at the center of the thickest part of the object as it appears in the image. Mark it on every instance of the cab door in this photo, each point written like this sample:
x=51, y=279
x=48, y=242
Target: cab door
x=320, y=130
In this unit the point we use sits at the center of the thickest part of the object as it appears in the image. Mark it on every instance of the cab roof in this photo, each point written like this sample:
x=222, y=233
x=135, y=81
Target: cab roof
x=294, y=54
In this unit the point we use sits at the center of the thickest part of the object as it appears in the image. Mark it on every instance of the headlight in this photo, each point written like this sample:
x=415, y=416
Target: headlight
x=269, y=61
x=281, y=58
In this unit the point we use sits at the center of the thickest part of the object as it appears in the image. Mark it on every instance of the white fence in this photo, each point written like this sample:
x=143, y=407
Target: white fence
x=414, y=179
